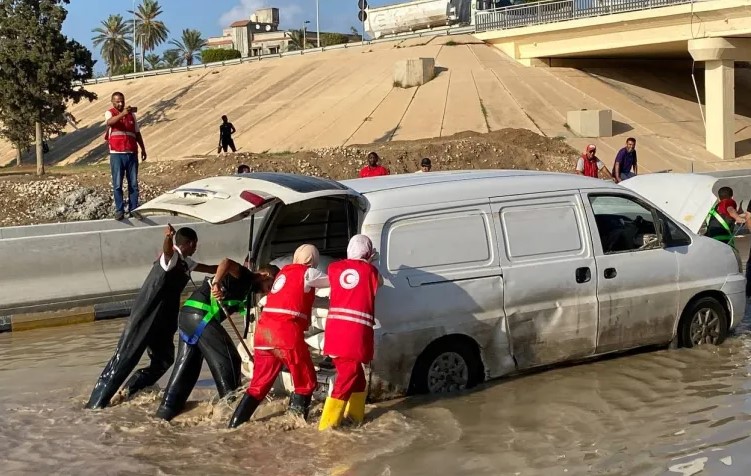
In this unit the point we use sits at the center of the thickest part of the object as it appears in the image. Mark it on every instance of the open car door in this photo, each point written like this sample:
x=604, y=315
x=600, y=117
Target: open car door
x=226, y=199
x=687, y=198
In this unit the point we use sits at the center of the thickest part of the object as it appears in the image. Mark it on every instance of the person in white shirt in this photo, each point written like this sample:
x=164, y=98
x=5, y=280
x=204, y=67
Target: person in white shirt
x=152, y=323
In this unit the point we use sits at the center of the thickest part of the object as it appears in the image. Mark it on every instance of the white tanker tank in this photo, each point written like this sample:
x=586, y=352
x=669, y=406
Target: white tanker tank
x=416, y=15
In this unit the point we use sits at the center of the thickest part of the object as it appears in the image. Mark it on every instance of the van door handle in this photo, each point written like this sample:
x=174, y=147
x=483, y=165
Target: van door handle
x=610, y=273
x=583, y=275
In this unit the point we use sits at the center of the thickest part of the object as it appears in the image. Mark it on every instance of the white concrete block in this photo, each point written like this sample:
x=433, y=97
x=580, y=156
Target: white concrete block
x=591, y=122
x=413, y=72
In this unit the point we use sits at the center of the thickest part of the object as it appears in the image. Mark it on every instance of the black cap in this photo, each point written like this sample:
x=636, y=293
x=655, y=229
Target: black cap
x=425, y=162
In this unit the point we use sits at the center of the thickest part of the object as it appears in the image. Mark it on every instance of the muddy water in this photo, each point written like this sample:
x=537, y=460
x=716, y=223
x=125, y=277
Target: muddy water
x=663, y=412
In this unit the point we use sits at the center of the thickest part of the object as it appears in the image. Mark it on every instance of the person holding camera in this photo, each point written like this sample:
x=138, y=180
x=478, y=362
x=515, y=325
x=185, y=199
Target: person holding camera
x=124, y=138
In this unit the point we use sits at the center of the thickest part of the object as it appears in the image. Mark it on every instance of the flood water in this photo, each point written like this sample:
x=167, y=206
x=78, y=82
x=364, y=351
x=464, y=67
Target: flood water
x=661, y=412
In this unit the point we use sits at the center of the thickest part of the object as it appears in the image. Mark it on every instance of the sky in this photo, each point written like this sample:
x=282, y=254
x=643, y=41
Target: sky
x=210, y=16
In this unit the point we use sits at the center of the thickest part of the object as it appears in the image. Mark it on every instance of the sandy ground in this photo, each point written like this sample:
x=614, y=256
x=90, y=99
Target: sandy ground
x=69, y=193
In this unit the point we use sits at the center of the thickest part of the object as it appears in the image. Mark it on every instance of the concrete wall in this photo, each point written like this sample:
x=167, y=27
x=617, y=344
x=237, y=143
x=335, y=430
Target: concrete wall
x=64, y=265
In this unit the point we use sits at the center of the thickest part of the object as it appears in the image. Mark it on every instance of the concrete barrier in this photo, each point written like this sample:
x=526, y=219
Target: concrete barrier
x=409, y=73
x=67, y=265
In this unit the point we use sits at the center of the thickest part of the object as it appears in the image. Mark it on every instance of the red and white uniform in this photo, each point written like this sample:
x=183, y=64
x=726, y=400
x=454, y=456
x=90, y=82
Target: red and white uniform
x=280, y=334
x=122, y=135
x=350, y=322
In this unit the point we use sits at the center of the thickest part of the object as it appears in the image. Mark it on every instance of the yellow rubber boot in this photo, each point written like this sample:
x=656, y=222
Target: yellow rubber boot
x=355, y=409
x=333, y=412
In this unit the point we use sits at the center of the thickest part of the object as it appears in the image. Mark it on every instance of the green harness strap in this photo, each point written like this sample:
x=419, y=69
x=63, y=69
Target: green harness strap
x=212, y=310
x=730, y=237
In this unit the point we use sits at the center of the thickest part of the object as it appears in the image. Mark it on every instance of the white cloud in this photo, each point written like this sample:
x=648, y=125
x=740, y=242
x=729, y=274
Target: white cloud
x=289, y=12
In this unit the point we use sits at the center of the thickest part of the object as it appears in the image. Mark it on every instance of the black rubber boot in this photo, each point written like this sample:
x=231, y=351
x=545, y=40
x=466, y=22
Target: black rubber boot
x=166, y=413
x=299, y=405
x=244, y=411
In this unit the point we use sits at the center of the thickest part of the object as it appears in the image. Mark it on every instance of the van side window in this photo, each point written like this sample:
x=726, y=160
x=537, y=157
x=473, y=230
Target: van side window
x=450, y=240
x=528, y=230
x=672, y=234
x=623, y=224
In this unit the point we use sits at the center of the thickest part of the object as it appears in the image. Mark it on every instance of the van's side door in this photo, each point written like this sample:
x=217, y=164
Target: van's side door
x=637, y=282
x=550, y=280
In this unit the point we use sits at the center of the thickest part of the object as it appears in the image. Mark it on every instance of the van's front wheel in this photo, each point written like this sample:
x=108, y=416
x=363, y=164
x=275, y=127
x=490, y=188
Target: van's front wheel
x=704, y=322
x=447, y=366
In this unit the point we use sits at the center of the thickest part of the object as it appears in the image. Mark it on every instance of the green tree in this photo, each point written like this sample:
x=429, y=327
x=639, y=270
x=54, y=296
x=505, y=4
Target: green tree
x=189, y=46
x=150, y=32
x=214, y=55
x=329, y=39
x=153, y=60
x=113, y=38
x=296, y=39
x=41, y=71
x=171, y=59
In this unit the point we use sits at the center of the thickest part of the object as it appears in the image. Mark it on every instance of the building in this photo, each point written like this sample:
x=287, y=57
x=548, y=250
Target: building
x=260, y=35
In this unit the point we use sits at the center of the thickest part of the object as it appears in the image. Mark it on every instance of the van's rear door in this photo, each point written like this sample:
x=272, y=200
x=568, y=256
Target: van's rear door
x=227, y=199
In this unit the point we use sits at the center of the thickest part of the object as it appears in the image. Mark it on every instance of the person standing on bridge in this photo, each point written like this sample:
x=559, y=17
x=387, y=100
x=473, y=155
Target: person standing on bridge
x=589, y=165
x=124, y=138
x=373, y=169
x=349, y=331
x=226, y=129
x=153, y=320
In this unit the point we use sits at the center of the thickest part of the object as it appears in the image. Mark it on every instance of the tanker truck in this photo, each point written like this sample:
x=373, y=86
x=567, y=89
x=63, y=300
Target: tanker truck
x=416, y=15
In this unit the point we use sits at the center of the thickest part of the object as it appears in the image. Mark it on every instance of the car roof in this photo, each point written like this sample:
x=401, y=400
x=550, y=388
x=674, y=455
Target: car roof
x=432, y=187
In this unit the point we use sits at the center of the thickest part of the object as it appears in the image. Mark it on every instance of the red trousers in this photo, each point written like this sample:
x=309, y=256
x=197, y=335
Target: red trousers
x=268, y=363
x=350, y=378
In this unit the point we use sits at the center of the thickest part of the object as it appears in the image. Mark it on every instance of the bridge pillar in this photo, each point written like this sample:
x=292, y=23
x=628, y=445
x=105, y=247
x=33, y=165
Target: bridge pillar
x=719, y=56
x=720, y=107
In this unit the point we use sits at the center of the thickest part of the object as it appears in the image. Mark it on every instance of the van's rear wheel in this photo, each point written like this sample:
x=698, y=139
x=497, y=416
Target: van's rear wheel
x=704, y=322
x=447, y=366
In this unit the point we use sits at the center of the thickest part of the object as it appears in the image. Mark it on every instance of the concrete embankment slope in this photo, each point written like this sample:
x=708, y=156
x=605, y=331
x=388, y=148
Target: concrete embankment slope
x=346, y=97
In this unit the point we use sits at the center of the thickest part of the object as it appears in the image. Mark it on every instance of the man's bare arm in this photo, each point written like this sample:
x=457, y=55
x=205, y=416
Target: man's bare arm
x=139, y=140
x=206, y=268
x=168, y=244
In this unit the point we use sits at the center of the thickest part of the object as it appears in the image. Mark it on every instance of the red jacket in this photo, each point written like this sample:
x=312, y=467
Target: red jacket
x=122, y=135
x=376, y=171
x=287, y=313
x=349, y=325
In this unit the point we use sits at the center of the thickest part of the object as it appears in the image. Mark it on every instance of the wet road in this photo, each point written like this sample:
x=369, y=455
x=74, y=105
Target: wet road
x=663, y=412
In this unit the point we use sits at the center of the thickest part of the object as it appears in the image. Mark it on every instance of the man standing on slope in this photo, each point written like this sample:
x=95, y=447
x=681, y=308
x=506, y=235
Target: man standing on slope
x=153, y=320
x=349, y=331
x=124, y=138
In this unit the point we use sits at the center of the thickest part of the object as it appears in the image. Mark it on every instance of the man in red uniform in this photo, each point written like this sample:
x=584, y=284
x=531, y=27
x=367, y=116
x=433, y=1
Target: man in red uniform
x=349, y=331
x=280, y=336
x=124, y=137
x=373, y=169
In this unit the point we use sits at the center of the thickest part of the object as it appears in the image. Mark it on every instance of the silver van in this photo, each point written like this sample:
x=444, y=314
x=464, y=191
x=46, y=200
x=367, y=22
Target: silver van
x=489, y=273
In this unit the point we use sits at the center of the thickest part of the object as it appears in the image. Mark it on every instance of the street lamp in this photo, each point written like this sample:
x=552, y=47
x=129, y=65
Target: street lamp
x=134, y=36
x=318, y=28
x=304, y=33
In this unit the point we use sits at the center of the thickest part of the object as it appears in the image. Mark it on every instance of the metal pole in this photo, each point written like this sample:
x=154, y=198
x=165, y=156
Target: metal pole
x=134, y=36
x=304, y=36
x=318, y=28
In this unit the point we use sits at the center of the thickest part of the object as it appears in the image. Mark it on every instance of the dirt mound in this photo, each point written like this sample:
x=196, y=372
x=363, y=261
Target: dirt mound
x=84, y=193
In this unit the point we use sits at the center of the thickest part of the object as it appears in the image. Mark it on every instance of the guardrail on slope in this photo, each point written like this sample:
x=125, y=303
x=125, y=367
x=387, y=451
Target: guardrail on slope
x=253, y=59
x=66, y=265
x=539, y=13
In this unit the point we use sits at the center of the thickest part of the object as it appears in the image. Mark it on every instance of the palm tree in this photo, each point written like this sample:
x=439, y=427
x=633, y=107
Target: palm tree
x=296, y=38
x=153, y=60
x=114, y=38
x=150, y=32
x=189, y=46
x=171, y=59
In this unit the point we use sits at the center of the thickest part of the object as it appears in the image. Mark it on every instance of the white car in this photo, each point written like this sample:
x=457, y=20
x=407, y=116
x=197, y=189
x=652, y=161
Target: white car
x=489, y=273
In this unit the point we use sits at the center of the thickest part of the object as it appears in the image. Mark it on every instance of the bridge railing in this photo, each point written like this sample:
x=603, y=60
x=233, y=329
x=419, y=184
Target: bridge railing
x=539, y=13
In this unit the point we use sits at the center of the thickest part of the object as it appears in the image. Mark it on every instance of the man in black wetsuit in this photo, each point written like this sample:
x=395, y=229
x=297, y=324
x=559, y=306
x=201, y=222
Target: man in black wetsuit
x=203, y=337
x=153, y=320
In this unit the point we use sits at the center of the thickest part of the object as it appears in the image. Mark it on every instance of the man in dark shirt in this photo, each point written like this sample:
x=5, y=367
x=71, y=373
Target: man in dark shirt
x=226, y=129
x=625, y=165
x=203, y=337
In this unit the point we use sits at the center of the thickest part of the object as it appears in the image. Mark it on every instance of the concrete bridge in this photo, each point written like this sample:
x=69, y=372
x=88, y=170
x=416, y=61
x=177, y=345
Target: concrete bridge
x=713, y=33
